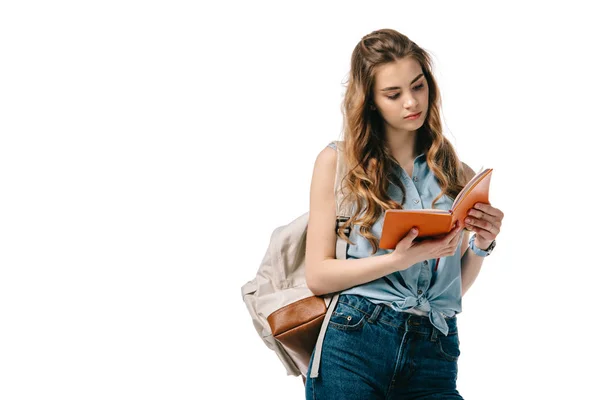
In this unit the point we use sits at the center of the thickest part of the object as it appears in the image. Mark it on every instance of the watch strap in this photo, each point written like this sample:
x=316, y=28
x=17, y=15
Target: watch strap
x=481, y=252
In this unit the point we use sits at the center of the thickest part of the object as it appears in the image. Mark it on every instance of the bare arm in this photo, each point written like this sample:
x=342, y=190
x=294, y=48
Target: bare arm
x=470, y=267
x=324, y=273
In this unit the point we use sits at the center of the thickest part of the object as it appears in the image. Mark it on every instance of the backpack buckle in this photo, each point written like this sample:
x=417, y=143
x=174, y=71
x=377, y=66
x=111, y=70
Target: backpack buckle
x=339, y=221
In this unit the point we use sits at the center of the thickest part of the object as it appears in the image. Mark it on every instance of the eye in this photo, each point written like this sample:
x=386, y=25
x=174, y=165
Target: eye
x=417, y=88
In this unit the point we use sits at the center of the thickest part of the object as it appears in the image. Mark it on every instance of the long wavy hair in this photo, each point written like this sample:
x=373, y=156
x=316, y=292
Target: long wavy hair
x=370, y=162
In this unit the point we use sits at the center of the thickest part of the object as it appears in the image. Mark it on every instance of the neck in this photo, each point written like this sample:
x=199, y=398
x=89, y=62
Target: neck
x=402, y=145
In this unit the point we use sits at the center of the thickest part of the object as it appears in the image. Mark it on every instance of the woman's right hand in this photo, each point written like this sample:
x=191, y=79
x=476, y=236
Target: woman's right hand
x=412, y=252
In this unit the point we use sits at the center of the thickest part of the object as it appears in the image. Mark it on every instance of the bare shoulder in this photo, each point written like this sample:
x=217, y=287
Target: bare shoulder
x=325, y=168
x=326, y=159
x=321, y=237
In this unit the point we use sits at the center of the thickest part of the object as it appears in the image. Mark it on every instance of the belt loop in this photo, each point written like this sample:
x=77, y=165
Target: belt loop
x=434, y=334
x=375, y=314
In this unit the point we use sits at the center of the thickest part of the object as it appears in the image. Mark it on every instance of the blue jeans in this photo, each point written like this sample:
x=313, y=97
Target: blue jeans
x=371, y=351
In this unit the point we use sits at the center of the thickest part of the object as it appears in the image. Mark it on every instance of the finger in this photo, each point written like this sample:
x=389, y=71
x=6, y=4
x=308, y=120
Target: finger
x=483, y=234
x=488, y=209
x=449, y=251
x=456, y=231
x=459, y=234
x=483, y=224
x=446, y=236
x=486, y=234
x=410, y=237
x=455, y=240
x=452, y=237
x=477, y=214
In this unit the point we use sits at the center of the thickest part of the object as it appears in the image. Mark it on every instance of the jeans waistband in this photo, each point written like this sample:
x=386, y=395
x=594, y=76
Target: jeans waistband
x=386, y=314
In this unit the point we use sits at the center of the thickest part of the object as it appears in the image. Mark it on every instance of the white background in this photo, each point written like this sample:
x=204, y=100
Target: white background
x=148, y=150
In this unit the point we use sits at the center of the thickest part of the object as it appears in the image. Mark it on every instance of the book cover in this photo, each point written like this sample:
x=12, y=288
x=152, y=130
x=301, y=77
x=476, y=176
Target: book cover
x=433, y=222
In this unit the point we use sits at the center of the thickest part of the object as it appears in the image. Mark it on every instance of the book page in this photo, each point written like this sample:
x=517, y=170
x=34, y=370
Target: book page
x=468, y=187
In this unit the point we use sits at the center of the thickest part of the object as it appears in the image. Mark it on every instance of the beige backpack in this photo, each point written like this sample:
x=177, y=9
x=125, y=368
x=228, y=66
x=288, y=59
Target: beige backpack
x=289, y=318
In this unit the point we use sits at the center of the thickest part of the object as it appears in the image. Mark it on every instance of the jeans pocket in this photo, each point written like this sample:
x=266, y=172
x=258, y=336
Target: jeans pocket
x=346, y=317
x=448, y=347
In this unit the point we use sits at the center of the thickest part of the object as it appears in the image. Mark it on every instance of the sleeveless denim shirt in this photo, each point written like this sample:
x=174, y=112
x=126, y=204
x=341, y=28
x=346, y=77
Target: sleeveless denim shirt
x=419, y=289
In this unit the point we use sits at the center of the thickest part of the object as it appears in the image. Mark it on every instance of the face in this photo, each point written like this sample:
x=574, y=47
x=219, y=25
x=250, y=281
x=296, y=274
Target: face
x=400, y=90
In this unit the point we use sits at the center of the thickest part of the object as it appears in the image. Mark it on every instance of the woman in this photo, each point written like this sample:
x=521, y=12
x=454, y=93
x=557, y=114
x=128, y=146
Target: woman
x=393, y=333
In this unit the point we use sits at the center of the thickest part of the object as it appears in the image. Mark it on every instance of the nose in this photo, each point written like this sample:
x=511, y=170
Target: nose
x=410, y=102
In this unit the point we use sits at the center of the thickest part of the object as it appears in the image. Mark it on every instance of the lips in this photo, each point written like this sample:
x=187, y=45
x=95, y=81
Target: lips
x=412, y=115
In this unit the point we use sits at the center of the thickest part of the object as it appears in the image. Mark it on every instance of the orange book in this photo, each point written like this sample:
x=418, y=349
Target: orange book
x=432, y=222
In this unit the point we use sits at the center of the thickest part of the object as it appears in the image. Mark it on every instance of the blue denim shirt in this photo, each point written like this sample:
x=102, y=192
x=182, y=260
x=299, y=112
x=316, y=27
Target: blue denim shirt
x=419, y=289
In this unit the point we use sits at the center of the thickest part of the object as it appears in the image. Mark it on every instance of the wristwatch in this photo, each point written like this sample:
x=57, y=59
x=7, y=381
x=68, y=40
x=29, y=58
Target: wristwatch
x=478, y=251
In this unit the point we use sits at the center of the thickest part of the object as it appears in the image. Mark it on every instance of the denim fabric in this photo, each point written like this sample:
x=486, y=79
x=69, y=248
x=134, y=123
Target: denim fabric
x=421, y=289
x=372, y=351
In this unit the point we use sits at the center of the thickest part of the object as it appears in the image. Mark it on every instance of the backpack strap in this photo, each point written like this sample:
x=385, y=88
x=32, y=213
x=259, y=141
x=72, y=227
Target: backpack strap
x=314, y=372
x=340, y=173
x=342, y=214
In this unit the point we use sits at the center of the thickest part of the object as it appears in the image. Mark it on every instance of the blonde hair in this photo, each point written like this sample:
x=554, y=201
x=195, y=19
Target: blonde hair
x=369, y=160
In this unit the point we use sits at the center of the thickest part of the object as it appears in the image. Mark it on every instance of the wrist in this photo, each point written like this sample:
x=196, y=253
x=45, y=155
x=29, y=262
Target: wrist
x=482, y=244
x=397, y=261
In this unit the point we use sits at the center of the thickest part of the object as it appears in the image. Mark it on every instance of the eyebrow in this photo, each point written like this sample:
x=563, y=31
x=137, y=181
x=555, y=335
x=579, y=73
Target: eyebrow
x=398, y=87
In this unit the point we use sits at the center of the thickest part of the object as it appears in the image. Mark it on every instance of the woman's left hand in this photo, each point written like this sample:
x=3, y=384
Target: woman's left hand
x=484, y=220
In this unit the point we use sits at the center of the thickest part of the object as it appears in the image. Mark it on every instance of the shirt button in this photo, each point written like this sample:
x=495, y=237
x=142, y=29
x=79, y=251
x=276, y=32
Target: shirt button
x=419, y=291
x=426, y=262
x=415, y=179
x=416, y=201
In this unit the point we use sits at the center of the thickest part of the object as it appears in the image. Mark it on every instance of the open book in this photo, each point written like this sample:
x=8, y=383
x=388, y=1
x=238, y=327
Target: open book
x=432, y=222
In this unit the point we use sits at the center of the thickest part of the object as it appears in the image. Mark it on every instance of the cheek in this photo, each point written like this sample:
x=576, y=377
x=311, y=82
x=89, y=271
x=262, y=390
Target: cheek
x=423, y=97
x=389, y=112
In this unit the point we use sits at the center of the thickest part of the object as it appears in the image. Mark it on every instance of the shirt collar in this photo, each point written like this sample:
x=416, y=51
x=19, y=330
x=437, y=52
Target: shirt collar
x=417, y=162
